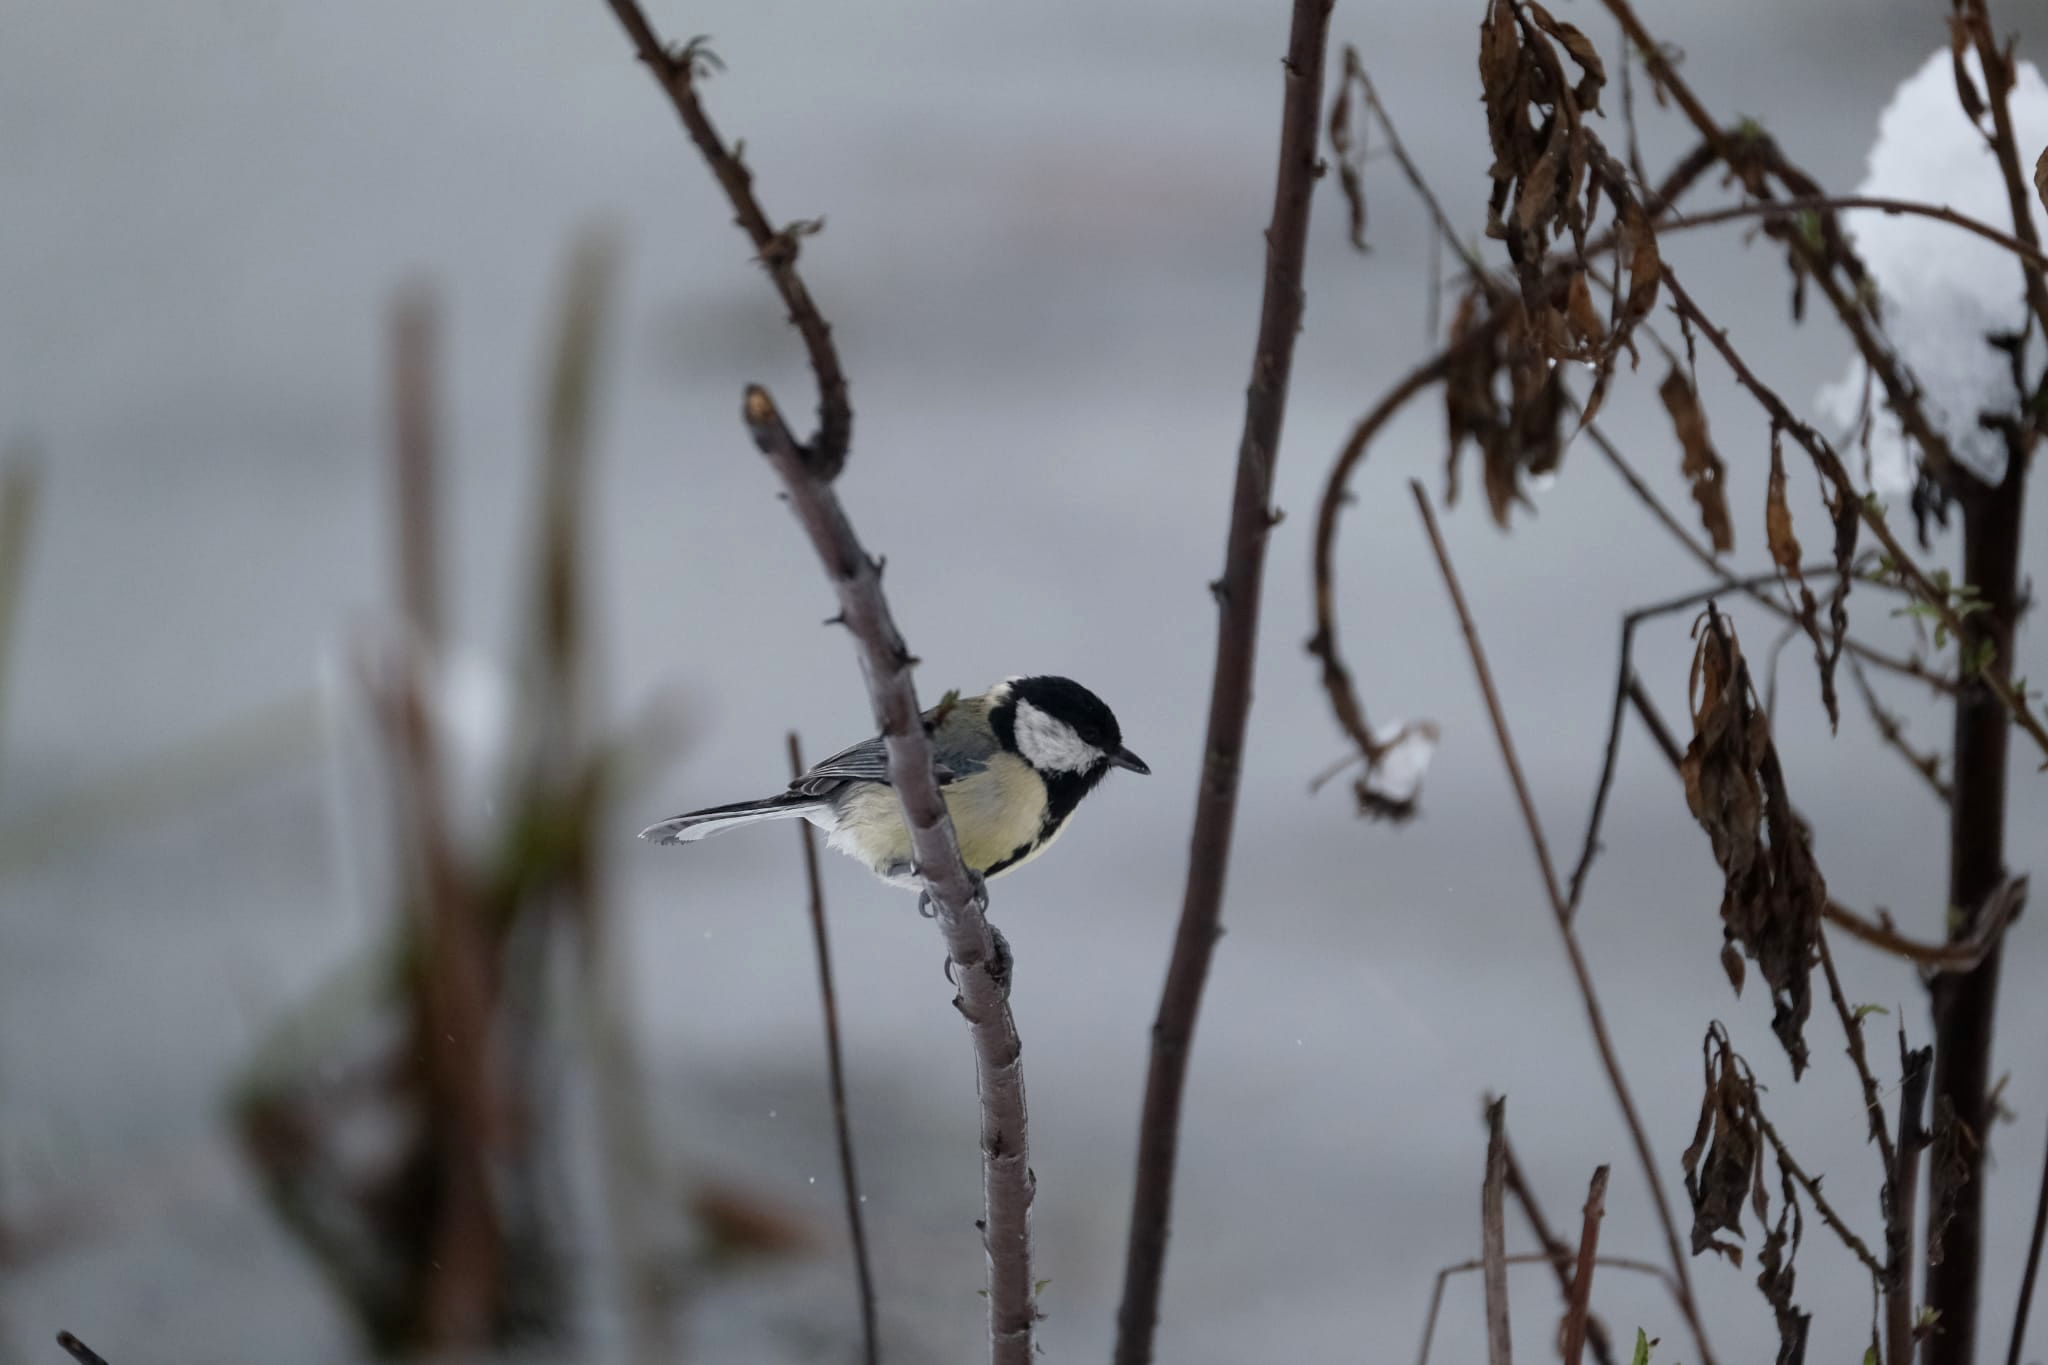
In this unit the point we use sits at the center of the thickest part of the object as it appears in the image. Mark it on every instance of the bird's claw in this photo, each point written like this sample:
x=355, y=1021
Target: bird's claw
x=1000, y=961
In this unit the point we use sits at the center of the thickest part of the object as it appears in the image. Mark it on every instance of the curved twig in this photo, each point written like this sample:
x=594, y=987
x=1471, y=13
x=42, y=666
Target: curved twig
x=1830, y=203
x=677, y=70
x=1344, y=701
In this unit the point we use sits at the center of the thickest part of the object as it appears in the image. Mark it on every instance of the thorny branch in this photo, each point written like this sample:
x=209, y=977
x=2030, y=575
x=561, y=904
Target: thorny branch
x=678, y=71
x=1582, y=1277
x=1238, y=594
x=957, y=898
x=1562, y=1257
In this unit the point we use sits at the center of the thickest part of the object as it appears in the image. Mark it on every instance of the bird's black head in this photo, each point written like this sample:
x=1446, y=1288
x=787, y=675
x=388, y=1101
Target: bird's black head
x=1060, y=728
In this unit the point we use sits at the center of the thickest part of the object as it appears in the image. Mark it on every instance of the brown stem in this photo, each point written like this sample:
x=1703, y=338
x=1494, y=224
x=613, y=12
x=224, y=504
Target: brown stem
x=1561, y=1256
x=835, y=1077
x=79, y=1351
x=1561, y=912
x=2019, y=1317
x=1965, y=1004
x=1436, y=1297
x=1237, y=592
x=1582, y=1279
x=1910, y=668
x=414, y=327
x=1493, y=1238
x=1901, y=1193
x=1830, y=203
x=677, y=72
x=885, y=661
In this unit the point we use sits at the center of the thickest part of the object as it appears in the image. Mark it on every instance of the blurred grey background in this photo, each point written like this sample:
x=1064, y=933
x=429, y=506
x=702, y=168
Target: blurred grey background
x=1043, y=261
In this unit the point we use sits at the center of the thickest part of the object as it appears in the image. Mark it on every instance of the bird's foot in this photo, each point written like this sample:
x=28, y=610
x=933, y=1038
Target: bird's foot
x=1000, y=961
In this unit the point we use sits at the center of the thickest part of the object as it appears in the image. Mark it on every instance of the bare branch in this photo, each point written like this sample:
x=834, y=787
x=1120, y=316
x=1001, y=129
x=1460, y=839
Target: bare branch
x=1582, y=1280
x=79, y=1351
x=1493, y=1237
x=835, y=1071
x=1436, y=1297
x=1238, y=594
x=959, y=903
x=1561, y=911
x=2019, y=1317
x=1561, y=1256
x=677, y=72
x=1830, y=203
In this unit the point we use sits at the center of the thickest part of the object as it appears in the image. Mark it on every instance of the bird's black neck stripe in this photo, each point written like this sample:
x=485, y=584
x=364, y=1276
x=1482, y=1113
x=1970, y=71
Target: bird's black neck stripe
x=1063, y=792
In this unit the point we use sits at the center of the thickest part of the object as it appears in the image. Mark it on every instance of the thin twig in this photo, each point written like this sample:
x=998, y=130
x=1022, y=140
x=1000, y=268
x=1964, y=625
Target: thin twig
x=1561, y=1256
x=677, y=72
x=2019, y=1317
x=1829, y=203
x=1811, y=1184
x=1238, y=594
x=1832, y=468
x=957, y=898
x=960, y=905
x=1436, y=1297
x=1901, y=1197
x=1582, y=1279
x=1493, y=1238
x=1892, y=730
x=1905, y=667
x=1560, y=910
x=20, y=475
x=1623, y=679
x=79, y=1351
x=835, y=1074
x=1997, y=68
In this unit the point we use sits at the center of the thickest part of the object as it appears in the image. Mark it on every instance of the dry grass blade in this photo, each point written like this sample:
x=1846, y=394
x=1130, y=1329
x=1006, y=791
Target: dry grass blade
x=1493, y=1236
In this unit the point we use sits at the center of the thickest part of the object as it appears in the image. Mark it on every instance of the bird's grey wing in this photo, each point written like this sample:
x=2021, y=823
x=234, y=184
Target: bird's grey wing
x=963, y=747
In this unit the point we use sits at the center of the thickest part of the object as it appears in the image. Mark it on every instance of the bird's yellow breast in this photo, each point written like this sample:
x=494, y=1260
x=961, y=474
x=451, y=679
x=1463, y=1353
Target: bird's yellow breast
x=997, y=815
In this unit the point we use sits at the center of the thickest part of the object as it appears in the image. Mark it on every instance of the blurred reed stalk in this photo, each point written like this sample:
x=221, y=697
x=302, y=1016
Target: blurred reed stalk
x=454, y=1241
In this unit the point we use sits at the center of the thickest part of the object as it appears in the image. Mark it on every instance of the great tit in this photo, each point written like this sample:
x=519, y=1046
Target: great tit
x=1012, y=765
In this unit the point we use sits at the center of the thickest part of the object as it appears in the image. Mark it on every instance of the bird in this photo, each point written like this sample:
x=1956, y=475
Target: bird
x=1013, y=763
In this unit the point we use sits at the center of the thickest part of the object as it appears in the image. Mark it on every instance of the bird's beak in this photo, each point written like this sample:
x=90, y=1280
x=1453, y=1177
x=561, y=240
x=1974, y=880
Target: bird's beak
x=1124, y=758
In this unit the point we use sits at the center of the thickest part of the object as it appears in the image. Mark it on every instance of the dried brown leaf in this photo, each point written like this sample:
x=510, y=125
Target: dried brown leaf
x=1703, y=468
x=2041, y=177
x=1586, y=327
x=1778, y=517
x=1966, y=88
x=1645, y=266
x=1724, y=1163
x=1776, y=1273
x=1593, y=73
x=1350, y=154
x=1773, y=892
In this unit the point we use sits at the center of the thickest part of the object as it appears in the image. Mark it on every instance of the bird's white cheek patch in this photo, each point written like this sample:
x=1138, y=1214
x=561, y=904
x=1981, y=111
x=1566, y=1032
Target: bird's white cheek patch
x=1051, y=745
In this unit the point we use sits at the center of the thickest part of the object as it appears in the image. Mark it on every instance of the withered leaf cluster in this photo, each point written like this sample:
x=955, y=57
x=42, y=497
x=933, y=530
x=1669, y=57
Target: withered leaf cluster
x=1541, y=80
x=1505, y=398
x=1773, y=893
x=1724, y=1166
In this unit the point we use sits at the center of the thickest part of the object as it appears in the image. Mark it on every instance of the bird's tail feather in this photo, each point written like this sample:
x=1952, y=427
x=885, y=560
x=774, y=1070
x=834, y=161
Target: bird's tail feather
x=700, y=824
